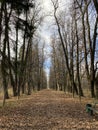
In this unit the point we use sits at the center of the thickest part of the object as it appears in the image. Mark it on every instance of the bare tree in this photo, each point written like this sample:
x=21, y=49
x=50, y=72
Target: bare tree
x=56, y=5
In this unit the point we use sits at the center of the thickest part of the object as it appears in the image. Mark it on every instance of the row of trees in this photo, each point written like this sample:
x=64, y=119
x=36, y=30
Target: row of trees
x=74, y=48
x=22, y=61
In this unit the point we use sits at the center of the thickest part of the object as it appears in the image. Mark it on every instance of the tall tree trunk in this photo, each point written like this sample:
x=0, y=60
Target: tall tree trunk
x=96, y=5
x=66, y=57
x=16, y=53
x=77, y=60
x=22, y=67
x=3, y=62
x=1, y=15
x=93, y=54
x=96, y=85
x=8, y=48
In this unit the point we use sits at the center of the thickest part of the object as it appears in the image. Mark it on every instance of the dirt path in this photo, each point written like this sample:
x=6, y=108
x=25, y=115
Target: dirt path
x=47, y=110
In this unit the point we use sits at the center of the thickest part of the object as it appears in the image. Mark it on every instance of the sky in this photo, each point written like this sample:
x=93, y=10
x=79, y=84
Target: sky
x=46, y=33
x=47, y=28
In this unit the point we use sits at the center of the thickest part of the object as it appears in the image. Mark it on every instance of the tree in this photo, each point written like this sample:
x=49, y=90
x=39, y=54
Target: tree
x=91, y=41
x=21, y=20
x=55, y=5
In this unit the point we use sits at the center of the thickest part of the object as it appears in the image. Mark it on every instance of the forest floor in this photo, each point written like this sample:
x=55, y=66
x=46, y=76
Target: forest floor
x=47, y=110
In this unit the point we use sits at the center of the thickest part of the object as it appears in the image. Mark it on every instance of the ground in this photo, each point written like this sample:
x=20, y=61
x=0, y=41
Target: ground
x=47, y=110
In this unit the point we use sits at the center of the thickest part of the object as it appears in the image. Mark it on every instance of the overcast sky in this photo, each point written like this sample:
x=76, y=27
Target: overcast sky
x=47, y=27
x=46, y=32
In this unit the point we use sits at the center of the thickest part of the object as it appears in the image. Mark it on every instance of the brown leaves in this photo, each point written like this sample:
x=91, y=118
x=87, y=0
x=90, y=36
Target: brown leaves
x=47, y=110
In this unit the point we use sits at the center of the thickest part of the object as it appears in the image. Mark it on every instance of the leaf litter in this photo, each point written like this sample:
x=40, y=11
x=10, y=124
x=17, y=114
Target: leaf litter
x=47, y=110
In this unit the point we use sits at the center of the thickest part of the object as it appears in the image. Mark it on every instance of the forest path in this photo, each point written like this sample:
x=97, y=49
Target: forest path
x=47, y=110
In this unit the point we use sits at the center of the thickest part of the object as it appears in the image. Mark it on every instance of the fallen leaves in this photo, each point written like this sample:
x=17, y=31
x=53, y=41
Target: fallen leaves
x=47, y=110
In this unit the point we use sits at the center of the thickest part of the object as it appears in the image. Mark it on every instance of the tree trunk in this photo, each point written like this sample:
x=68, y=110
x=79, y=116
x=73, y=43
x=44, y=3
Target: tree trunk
x=77, y=60
x=66, y=57
x=96, y=85
x=96, y=5
x=1, y=14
